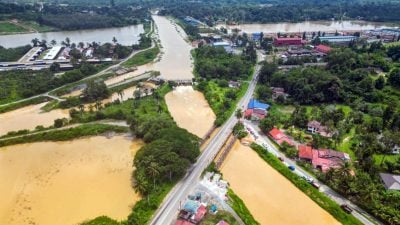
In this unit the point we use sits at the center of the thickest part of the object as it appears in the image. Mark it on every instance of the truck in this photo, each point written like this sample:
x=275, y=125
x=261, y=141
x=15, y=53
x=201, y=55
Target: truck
x=316, y=185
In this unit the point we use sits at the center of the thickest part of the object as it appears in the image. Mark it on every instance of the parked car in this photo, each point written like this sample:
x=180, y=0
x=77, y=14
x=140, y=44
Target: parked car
x=316, y=185
x=292, y=168
x=346, y=208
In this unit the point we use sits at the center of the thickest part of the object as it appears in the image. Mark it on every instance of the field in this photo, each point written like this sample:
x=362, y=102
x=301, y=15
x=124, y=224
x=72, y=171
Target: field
x=7, y=27
x=142, y=57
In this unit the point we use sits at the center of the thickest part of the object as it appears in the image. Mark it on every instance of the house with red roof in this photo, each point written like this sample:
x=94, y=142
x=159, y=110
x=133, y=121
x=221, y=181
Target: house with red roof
x=201, y=212
x=222, y=223
x=183, y=222
x=316, y=127
x=323, y=49
x=323, y=159
x=279, y=137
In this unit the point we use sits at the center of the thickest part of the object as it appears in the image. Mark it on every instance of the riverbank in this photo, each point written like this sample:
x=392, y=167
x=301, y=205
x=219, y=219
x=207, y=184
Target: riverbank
x=46, y=181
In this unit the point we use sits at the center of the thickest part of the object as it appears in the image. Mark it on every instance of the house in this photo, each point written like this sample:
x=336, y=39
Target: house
x=226, y=45
x=390, y=181
x=278, y=91
x=201, y=212
x=256, y=36
x=234, y=84
x=316, y=127
x=396, y=149
x=323, y=49
x=323, y=159
x=288, y=41
x=222, y=223
x=279, y=137
x=337, y=39
x=256, y=110
x=305, y=153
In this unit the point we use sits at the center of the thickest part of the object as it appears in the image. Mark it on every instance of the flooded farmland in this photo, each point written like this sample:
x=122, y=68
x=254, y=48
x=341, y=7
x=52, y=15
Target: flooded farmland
x=28, y=118
x=270, y=197
x=190, y=110
x=68, y=182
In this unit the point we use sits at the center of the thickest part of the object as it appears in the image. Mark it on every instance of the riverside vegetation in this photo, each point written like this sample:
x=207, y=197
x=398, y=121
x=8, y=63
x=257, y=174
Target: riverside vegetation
x=356, y=103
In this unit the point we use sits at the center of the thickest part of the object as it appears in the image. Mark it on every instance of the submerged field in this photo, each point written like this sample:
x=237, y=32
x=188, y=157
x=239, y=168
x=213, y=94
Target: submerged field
x=67, y=182
x=270, y=197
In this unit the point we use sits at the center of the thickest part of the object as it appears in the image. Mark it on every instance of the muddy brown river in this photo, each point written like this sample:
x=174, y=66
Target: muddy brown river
x=65, y=183
x=270, y=197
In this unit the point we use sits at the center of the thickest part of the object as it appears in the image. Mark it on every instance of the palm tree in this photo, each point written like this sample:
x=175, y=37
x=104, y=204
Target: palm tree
x=120, y=94
x=137, y=93
x=239, y=113
x=81, y=108
x=67, y=41
x=90, y=108
x=114, y=40
x=141, y=185
x=153, y=170
x=53, y=42
x=98, y=105
x=35, y=42
x=81, y=44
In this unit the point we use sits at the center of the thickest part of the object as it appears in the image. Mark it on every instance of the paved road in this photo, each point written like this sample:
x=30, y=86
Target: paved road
x=360, y=214
x=168, y=211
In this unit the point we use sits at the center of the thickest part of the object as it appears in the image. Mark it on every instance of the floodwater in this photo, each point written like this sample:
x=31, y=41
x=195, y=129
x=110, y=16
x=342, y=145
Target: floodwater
x=125, y=35
x=29, y=117
x=175, y=61
x=65, y=183
x=309, y=26
x=190, y=110
x=270, y=197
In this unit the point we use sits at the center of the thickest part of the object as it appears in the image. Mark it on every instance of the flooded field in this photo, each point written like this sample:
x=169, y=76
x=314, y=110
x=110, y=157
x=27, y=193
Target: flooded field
x=190, y=110
x=28, y=118
x=64, y=183
x=270, y=197
x=308, y=26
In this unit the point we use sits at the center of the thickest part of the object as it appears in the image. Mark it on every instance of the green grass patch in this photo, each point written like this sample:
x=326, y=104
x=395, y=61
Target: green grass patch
x=321, y=199
x=39, y=28
x=66, y=134
x=389, y=158
x=142, y=58
x=7, y=27
x=347, y=142
x=240, y=208
x=211, y=219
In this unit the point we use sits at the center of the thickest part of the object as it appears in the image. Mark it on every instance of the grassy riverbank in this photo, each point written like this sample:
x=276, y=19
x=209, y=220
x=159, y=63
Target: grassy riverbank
x=66, y=134
x=18, y=105
x=240, y=208
x=321, y=199
x=143, y=57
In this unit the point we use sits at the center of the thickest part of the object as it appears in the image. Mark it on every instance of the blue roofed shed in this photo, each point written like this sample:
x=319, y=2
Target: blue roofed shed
x=254, y=104
x=191, y=206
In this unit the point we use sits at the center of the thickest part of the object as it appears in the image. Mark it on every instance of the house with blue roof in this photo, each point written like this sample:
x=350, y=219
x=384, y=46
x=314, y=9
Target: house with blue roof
x=255, y=104
x=256, y=110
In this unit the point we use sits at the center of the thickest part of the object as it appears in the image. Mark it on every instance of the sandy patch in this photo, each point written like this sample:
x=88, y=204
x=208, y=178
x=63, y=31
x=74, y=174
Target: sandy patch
x=190, y=110
x=271, y=198
x=65, y=183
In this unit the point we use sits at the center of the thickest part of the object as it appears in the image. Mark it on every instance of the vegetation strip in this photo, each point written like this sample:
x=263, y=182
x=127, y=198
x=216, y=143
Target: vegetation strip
x=143, y=57
x=240, y=208
x=66, y=134
x=14, y=106
x=322, y=200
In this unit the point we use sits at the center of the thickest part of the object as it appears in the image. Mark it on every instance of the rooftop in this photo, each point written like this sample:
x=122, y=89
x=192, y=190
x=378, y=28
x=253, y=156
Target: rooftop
x=390, y=181
x=254, y=104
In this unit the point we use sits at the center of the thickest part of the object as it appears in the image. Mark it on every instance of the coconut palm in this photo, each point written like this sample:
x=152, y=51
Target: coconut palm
x=120, y=94
x=35, y=42
x=53, y=42
x=98, y=105
x=141, y=185
x=81, y=108
x=153, y=171
x=137, y=93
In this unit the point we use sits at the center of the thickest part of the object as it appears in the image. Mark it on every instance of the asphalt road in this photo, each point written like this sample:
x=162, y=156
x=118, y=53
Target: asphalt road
x=168, y=211
x=359, y=213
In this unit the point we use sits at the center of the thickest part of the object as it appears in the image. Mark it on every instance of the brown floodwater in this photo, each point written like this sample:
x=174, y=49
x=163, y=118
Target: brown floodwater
x=65, y=183
x=190, y=110
x=28, y=118
x=270, y=197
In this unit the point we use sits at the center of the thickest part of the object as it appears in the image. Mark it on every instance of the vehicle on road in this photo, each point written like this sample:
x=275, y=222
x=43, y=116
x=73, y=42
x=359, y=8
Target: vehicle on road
x=316, y=185
x=346, y=208
x=292, y=168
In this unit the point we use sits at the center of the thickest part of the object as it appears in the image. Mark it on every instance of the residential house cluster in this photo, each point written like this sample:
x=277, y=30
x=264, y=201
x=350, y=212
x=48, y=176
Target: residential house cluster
x=256, y=110
x=323, y=159
x=277, y=92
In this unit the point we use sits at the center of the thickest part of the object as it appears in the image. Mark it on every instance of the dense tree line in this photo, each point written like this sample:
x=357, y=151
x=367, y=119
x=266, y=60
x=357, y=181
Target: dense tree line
x=13, y=54
x=17, y=84
x=215, y=62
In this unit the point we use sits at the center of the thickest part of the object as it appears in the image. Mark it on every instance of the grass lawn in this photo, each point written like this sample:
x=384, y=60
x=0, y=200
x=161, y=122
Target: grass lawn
x=37, y=27
x=7, y=27
x=211, y=219
x=390, y=158
x=142, y=57
x=346, y=144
